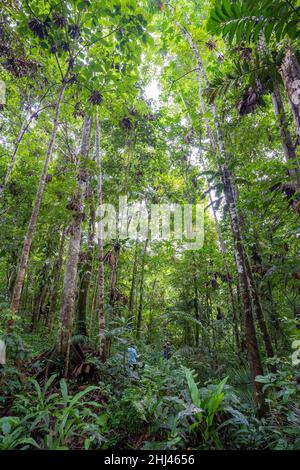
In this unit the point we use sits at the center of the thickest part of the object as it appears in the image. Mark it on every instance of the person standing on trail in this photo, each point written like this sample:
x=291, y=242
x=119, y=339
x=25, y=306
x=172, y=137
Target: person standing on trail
x=132, y=355
x=167, y=350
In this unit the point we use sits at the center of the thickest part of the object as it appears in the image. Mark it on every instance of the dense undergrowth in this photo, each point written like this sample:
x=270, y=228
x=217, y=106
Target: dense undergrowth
x=175, y=404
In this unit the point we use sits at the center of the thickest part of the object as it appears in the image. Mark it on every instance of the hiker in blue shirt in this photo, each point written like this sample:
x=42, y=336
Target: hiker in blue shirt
x=132, y=356
x=167, y=350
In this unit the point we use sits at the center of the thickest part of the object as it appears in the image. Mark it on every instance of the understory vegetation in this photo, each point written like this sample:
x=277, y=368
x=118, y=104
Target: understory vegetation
x=189, y=104
x=166, y=405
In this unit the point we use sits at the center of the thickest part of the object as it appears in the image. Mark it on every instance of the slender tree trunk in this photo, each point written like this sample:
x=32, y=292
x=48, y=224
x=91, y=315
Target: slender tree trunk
x=85, y=278
x=240, y=253
x=114, y=276
x=41, y=295
x=100, y=310
x=151, y=316
x=57, y=275
x=197, y=315
x=220, y=236
x=11, y=272
x=133, y=283
x=286, y=139
x=113, y=292
x=297, y=316
x=38, y=305
x=260, y=315
x=228, y=277
x=70, y=275
x=16, y=297
x=141, y=300
x=290, y=72
x=274, y=320
x=244, y=281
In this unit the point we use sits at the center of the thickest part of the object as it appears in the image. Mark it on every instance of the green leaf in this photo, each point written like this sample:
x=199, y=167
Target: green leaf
x=81, y=394
x=292, y=29
x=268, y=31
x=194, y=391
x=64, y=390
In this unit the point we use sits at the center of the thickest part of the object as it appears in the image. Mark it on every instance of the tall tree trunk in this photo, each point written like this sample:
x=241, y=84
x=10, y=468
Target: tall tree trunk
x=197, y=315
x=219, y=232
x=133, y=283
x=114, y=275
x=240, y=253
x=38, y=305
x=113, y=292
x=286, y=139
x=244, y=281
x=11, y=272
x=85, y=277
x=70, y=275
x=141, y=300
x=100, y=310
x=43, y=286
x=228, y=277
x=151, y=316
x=297, y=316
x=260, y=314
x=16, y=297
x=290, y=72
x=54, y=289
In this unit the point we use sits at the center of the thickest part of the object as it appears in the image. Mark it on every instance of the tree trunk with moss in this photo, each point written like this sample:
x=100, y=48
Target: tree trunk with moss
x=286, y=138
x=100, y=307
x=85, y=277
x=71, y=268
x=290, y=72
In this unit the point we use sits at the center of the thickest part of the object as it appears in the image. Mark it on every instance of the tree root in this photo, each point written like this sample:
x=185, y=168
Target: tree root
x=80, y=366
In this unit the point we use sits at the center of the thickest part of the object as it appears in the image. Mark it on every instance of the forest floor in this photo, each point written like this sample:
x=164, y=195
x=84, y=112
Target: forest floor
x=164, y=404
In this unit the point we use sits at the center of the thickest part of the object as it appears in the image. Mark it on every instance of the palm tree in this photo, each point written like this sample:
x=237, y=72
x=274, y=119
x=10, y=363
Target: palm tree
x=250, y=21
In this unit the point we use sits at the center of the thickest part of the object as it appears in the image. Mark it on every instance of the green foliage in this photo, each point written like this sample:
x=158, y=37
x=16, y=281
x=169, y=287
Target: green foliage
x=282, y=386
x=206, y=405
x=246, y=20
x=15, y=347
x=13, y=434
x=115, y=57
x=53, y=418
